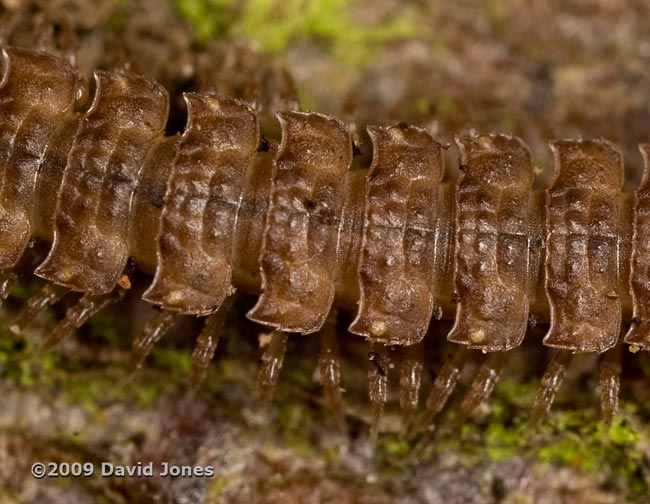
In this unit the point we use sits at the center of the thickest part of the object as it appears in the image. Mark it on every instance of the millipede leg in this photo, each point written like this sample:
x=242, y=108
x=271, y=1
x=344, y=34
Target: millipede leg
x=44, y=35
x=48, y=295
x=79, y=314
x=410, y=380
x=8, y=279
x=442, y=388
x=207, y=342
x=69, y=42
x=610, y=382
x=482, y=386
x=272, y=360
x=551, y=383
x=151, y=333
x=329, y=365
x=378, y=366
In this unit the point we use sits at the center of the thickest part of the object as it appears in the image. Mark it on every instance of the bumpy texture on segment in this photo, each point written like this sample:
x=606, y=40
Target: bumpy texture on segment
x=91, y=226
x=397, y=259
x=299, y=248
x=195, y=241
x=492, y=259
x=38, y=91
x=582, y=246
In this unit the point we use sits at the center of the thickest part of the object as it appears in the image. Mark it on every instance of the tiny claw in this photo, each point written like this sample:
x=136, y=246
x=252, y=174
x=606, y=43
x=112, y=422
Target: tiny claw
x=550, y=384
x=131, y=373
x=610, y=383
x=206, y=343
x=7, y=280
x=47, y=296
x=410, y=380
x=378, y=363
x=152, y=332
x=271, y=365
x=76, y=316
x=329, y=366
x=482, y=386
x=441, y=389
x=62, y=331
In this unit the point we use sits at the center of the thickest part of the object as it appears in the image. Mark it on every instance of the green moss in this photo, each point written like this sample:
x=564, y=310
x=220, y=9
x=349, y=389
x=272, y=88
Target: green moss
x=22, y=363
x=590, y=445
x=502, y=442
x=15, y=361
x=576, y=438
x=218, y=483
x=91, y=391
x=116, y=22
x=497, y=15
x=395, y=445
x=299, y=375
x=274, y=24
x=232, y=370
x=210, y=18
x=293, y=423
x=622, y=432
x=421, y=105
x=147, y=393
x=94, y=390
x=446, y=108
x=176, y=361
x=104, y=328
x=517, y=393
x=569, y=450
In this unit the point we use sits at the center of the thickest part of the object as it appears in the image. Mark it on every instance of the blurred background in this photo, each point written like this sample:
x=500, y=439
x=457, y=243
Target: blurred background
x=533, y=68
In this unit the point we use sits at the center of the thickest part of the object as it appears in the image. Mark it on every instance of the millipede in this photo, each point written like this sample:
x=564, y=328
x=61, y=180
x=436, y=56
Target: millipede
x=221, y=208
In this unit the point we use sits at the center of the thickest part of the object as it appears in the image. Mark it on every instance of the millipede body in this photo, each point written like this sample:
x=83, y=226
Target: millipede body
x=220, y=208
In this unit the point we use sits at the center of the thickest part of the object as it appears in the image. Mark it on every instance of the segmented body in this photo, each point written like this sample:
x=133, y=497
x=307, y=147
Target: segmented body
x=213, y=210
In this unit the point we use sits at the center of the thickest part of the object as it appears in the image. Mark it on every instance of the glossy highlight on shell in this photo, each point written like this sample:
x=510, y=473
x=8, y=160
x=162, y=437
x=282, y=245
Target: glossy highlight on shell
x=220, y=208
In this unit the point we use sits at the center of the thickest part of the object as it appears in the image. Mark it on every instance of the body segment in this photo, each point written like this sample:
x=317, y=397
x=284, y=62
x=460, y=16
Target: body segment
x=492, y=257
x=396, y=264
x=299, y=246
x=582, y=281
x=37, y=94
x=195, y=239
x=91, y=222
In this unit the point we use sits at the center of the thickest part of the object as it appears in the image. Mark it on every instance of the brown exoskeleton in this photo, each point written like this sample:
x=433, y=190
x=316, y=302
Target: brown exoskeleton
x=214, y=210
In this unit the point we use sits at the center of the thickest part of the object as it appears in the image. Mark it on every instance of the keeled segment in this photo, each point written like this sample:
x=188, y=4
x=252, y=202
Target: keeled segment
x=581, y=246
x=37, y=92
x=90, y=245
x=298, y=257
x=491, y=263
x=396, y=265
x=195, y=241
x=639, y=333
